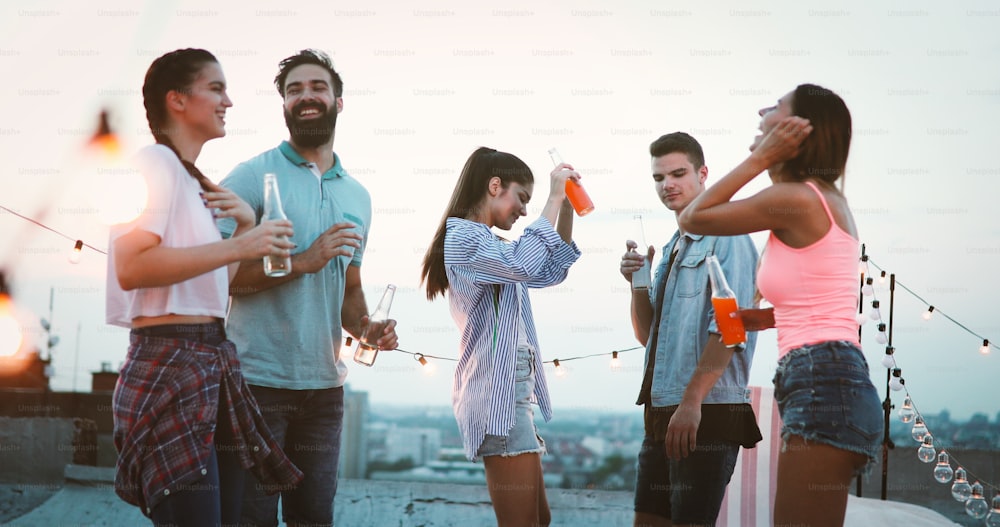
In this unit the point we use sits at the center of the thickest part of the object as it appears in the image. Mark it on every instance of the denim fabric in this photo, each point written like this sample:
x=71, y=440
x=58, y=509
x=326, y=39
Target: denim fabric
x=216, y=498
x=523, y=438
x=307, y=423
x=686, y=317
x=688, y=490
x=825, y=394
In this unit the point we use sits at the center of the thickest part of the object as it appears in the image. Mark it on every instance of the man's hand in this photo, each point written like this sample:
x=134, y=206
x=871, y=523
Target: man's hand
x=338, y=240
x=756, y=319
x=682, y=431
x=388, y=340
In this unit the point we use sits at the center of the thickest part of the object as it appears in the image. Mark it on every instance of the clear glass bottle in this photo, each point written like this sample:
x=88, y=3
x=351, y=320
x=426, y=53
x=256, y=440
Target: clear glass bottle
x=274, y=266
x=574, y=190
x=368, y=344
x=724, y=302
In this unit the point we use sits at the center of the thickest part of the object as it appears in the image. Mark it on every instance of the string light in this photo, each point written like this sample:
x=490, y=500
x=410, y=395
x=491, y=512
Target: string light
x=943, y=472
x=985, y=348
x=560, y=370
x=928, y=314
x=888, y=361
x=863, y=264
x=615, y=363
x=906, y=412
x=881, y=337
x=74, y=255
x=868, y=290
x=875, y=313
x=10, y=331
x=861, y=318
x=993, y=518
x=427, y=366
x=976, y=506
x=961, y=490
x=919, y=429
x=881, y=278
x=926, y=451
x=345, y=348
x=896, y=382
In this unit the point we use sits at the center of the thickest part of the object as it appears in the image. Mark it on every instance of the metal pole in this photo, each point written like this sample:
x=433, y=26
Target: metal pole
x=887, y=404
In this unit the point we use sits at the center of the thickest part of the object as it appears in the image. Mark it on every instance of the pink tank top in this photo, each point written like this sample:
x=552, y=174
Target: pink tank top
x=814, y=289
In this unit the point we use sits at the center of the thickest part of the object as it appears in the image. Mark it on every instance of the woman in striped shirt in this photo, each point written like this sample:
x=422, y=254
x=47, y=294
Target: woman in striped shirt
x=499, y=373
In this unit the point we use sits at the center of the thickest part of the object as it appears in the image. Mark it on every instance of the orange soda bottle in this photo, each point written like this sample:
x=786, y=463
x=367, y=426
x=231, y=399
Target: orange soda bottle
x=724, y=302
x=574, y=190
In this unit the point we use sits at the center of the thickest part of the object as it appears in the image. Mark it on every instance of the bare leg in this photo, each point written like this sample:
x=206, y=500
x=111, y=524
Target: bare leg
x=813, y=482
x=517, y=490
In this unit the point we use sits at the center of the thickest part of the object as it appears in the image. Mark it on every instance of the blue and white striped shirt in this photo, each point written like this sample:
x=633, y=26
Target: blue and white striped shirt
x=486, y=293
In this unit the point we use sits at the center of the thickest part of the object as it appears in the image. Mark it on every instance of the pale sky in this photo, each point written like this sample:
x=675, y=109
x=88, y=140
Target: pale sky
x=428, y=83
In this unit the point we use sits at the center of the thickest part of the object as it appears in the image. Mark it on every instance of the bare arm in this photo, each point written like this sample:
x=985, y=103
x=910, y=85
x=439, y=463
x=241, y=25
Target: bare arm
x=713, y=213
x=565, y=222
x=682, y=432
x=140, y=260
x=354, y=308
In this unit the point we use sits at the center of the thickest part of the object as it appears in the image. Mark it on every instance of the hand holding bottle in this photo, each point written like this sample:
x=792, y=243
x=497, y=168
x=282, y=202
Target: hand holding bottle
x=724, y=303
x=573, y=189
x=633, y=262
x=378, y=330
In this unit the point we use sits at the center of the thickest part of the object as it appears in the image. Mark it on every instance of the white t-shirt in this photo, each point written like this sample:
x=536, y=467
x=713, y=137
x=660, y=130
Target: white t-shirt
x=174, y=212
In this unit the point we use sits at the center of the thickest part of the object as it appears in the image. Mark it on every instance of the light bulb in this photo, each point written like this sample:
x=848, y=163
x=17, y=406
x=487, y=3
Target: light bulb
x=928, y=314
x=74, y=255
x=881, y=337
x=926, y=451
x=942, y=471
x=906, y=412
x=881, y=278
x=863, y=264
x=426, y=367
x=867, y=289
x=11, y=335
x=993, y=518
x=960, y=489
x=887, y=360
x=919, y=429
x=345, y=349
x=861, y=318
x=976, y=506
x=985, y=348
x=896, y=381
x=615, y=362
x=560, y=370
x=875, y=314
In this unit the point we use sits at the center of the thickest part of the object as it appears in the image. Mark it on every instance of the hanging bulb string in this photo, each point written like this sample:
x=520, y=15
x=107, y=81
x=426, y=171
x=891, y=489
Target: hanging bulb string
x=937, y=309
x=452, y=359
x=972, y=477
x=46, y=227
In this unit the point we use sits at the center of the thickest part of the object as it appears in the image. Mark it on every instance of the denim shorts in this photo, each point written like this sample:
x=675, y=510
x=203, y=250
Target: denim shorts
x=825, y=395
x=688, y=490
x=523, y=438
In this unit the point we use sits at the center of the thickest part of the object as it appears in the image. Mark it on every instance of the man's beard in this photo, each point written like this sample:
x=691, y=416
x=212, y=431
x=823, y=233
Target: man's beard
x=313, y=132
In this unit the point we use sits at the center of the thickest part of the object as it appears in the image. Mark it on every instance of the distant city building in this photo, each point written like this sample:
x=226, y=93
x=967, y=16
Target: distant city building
x=354, y=437
x=419, y=445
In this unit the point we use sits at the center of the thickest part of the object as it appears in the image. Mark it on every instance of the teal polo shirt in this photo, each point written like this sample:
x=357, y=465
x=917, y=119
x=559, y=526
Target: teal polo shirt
x=289, y=336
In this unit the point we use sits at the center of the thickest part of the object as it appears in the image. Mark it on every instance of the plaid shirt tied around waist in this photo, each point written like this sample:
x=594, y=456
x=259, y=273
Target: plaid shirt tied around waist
x=165, y=408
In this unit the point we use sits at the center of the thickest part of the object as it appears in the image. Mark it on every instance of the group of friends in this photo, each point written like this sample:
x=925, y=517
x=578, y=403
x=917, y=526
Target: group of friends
x=231, y=395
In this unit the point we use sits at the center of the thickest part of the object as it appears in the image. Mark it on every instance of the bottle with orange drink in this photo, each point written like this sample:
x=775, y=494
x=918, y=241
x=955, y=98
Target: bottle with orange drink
x=724, y=303
x=574, y=190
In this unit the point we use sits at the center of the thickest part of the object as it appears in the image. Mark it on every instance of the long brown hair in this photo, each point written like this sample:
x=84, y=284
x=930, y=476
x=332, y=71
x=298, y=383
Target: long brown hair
x=483, y=165
x=174, y=71
x=824, y=152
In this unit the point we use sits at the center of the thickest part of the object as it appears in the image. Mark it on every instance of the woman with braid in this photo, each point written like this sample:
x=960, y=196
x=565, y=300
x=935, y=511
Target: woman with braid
x=185, y=425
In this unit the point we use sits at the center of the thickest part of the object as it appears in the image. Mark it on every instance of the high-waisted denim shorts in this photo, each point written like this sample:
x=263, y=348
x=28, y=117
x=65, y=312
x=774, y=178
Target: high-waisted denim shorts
x=523, y=438
x=825, y=394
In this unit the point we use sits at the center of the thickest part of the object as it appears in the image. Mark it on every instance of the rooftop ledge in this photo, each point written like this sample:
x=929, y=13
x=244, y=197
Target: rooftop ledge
x=87, y=498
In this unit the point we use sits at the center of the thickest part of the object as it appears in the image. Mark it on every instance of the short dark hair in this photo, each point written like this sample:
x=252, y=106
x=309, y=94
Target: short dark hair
x=679, y=142
x=824, y=152
x=308, y=56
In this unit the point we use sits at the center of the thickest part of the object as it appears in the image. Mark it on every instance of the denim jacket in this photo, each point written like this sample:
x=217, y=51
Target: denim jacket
x=686, y=317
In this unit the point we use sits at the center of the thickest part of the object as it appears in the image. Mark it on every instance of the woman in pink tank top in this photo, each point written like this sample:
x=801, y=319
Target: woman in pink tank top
x=831, y=412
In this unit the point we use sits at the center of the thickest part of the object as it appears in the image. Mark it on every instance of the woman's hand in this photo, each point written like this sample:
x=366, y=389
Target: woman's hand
x=230, y=206
x=783, y=141
x=271, y=237
x=558, y=177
